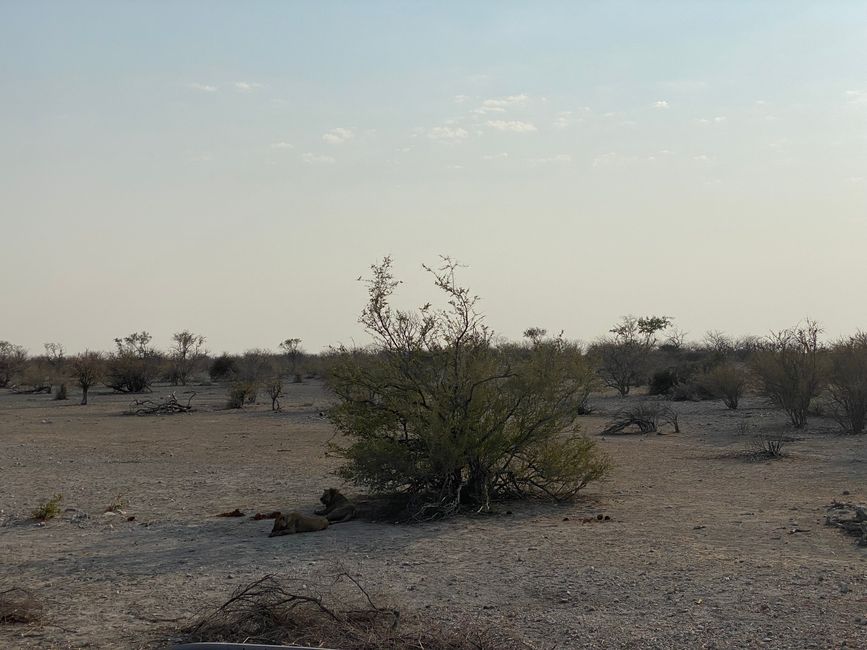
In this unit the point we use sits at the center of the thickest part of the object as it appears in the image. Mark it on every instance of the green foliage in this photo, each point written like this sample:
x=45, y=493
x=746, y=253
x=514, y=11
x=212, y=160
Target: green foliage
x=48, y=509
x=788, y=366
x=435, y=411
x=621, y=358
x=242, y=392
x=847, y=374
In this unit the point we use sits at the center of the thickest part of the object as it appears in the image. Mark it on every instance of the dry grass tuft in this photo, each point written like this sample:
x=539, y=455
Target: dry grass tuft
x=338, y=614
x=49, y=509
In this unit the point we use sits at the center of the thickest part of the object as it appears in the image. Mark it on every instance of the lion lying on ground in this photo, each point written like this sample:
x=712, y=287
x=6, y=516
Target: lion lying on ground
x=337, y=507
x=295, y=522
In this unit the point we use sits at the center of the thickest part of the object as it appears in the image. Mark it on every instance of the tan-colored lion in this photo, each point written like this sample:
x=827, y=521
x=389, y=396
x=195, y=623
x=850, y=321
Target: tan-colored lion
x=337, y=507
x=295, y=522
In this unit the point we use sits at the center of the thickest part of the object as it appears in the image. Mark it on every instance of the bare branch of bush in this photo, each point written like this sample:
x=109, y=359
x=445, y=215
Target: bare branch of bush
x=167, y=406
x=765, y=446
x=187, y=349
x=87, y=369
x=788, y=366
x=850, y=518
x=18, y=606
x=12, y=361
x=274, y=388
x=728, y=382
x=643, y=418
x=847, y=388
x=338, y=614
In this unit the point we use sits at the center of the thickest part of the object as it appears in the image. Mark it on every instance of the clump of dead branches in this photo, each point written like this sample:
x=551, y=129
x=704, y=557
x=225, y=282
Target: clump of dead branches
x=339, y=614
x=166, y=406
x=643, y=418
x=849, y=517
x=18, y=606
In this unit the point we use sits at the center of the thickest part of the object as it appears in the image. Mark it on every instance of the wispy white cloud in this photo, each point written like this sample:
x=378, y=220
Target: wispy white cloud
x=447, y=133
x=565, y=119
x=856, y=96
x=246, y=86
x=613, y=159
x=719, y=119
x=282, y=145
x=500, y=104
x=496, y=156
x=338, y=135
x=515, y=126
x=460, y=99
x=661, y=104
x=559, y=159
x=702, y=158
x=317, y=159
x=205, y=88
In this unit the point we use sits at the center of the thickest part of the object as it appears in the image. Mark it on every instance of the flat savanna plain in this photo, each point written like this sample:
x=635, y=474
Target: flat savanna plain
x=699, y=551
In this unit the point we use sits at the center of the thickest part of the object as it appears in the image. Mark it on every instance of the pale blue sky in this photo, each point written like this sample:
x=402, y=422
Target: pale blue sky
x=231, y=168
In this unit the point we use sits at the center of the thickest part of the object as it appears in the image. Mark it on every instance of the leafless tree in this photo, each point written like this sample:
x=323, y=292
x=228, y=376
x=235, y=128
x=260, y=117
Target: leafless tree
x=187, y=348
x=12, y=361
x=87, y=368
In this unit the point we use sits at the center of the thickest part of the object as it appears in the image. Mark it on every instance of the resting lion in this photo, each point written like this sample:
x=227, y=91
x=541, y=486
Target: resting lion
x=295, y=522
x=337, y=507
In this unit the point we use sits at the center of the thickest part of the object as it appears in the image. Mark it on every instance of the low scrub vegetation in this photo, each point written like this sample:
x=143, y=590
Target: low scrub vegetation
x=48, y=509
x=788, y=367
x=847, y=386
x=727, y=381
x=436, y=412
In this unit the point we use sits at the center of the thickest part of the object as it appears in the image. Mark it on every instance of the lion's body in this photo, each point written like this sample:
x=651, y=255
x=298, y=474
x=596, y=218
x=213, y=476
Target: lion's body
x=295, y=522
x=337, y=507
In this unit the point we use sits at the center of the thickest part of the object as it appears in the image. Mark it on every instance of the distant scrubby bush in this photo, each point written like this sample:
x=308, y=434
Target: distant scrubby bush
x=847, y=375
x=134, y=364
x=13, y=359
x=222, y=367
x=87, y=370
x=621, y=359
x=240, y=393
x=728, y=382
x=788, y=366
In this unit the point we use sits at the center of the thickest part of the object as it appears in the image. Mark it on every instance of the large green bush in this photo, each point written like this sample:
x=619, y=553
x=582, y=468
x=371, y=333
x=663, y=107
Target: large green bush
x=436, y=412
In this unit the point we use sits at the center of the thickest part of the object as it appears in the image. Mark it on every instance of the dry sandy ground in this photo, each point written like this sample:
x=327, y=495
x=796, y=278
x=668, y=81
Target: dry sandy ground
x=698, y=554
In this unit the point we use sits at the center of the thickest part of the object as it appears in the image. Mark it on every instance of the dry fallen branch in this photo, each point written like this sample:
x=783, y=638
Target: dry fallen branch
x=168, y=406
x=339, y=614
x=645, y=418
x=18, y=605
x=849, y=517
